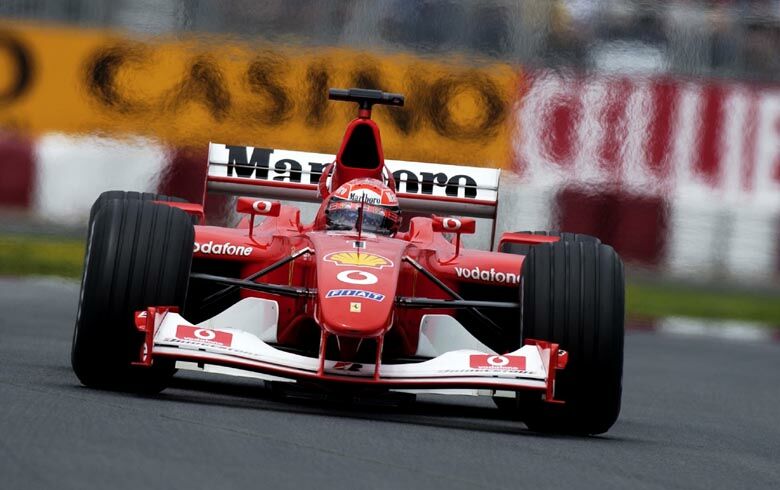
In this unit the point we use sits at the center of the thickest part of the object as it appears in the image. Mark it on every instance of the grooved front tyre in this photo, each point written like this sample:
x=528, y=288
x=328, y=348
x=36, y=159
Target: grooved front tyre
x=523, y=249
x=138, y=255
x=107, y=196
x=574, y=295
x=513, y=337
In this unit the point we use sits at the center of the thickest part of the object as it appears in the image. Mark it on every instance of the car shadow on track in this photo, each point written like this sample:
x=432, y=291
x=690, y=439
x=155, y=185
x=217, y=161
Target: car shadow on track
x=429, y=411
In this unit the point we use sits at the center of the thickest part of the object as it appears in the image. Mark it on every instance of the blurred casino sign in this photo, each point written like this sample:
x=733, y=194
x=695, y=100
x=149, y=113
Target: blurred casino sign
x=652, y=136
x=187, y=92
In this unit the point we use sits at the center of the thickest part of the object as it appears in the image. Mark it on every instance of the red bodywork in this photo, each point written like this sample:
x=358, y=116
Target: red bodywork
x=338, y=264
x=356, y=278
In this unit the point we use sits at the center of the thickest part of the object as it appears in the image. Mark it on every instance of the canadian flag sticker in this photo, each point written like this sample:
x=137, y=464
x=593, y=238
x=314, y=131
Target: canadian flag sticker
x=204, y=335
x=493, y=362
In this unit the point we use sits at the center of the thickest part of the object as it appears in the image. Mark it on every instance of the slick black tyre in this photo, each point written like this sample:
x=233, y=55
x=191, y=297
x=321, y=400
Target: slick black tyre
x=129, y=196
x=513, y=337
x=107, y=196
x=139, y=254
x=574, y=295
x=523, y=249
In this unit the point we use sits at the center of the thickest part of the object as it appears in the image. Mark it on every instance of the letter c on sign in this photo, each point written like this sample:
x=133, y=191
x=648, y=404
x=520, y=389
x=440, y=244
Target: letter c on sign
x=451, y=224
x=204, y=334
x=497, y=361
x=261, y=206
x=19, y=56
x=365, y=278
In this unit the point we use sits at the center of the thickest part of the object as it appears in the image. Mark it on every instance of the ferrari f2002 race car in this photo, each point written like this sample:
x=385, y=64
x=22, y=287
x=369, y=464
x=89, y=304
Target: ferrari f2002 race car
x=375, y=295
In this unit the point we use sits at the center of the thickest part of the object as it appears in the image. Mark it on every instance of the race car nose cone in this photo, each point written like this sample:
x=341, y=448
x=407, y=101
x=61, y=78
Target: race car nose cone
x=355, y=312
x=356, y=288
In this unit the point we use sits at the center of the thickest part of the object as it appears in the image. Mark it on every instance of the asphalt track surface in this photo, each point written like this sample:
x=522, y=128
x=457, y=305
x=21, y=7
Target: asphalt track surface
x=697, y=413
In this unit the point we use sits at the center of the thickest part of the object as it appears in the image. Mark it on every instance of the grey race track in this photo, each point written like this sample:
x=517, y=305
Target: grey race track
x=696, y=414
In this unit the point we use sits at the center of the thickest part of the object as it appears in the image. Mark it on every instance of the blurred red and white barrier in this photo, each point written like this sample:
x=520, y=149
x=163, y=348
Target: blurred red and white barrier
x=57, y=177
x=651, y=136
x=17, y=171
x=73, y=171
x=675, y=173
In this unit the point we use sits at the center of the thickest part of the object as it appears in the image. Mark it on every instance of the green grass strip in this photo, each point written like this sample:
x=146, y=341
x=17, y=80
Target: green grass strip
x=658, y=300
x=41, y=255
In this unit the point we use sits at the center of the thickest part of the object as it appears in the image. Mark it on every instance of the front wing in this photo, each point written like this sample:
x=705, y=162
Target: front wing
x=169, y=335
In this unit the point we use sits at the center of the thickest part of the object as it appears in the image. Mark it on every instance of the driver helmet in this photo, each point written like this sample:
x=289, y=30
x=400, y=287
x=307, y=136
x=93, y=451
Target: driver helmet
x=381, y=213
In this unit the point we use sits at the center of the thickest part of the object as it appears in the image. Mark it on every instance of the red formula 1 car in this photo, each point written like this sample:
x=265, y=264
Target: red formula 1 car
x=376, y=294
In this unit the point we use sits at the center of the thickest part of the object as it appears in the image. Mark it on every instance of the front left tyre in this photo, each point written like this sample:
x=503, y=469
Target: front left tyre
x=138, y=254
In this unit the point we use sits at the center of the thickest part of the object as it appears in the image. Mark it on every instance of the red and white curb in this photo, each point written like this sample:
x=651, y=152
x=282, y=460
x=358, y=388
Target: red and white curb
x=731, y=330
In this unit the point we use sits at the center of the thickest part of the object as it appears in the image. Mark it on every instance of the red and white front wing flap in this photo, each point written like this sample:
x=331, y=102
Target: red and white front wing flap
x=169, y=335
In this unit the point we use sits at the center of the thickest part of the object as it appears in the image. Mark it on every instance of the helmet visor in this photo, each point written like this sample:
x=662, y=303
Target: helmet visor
x=376, y=219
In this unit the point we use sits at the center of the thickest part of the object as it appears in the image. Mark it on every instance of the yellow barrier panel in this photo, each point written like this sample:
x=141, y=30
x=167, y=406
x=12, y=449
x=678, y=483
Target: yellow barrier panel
x=187, y=92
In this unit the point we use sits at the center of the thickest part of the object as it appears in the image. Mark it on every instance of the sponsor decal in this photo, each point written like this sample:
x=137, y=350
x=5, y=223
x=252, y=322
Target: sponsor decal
x=451, y=224
x=361, y=278
x=492, y=362
x=365, y=196
x=204, y=336
x=490, y=275
x=354, y=293
x=354, y=307
x=358, y=243
x=361, y=192
x=262, y=206
x=222, y=248
x=359, y=259
x=389, y=198
x=281, y=165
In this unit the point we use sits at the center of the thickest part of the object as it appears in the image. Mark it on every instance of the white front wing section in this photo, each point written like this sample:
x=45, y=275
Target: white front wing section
x=225, y=349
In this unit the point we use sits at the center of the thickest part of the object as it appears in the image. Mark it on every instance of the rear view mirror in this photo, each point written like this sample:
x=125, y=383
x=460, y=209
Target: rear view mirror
x=466, y=226
x=260, y=207
x=459, y=226
x=257, y=207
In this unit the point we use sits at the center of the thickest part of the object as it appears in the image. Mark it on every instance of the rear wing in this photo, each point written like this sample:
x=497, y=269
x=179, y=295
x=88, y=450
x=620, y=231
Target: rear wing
x=294, y=175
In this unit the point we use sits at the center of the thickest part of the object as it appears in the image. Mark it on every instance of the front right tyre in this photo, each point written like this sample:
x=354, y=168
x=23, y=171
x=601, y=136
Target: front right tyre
x=138, y=254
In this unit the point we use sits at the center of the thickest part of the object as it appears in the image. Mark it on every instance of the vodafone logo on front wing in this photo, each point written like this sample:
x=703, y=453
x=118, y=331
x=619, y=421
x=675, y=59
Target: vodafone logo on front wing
x=494, y=362
x=204, y=336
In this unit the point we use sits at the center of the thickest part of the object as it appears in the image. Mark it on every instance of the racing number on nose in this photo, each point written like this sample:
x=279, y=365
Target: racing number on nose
x=353, y=276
